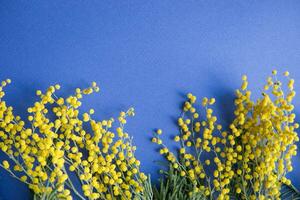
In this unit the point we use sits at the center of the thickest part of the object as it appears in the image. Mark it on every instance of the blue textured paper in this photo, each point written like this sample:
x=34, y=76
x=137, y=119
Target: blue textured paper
x=146, y=54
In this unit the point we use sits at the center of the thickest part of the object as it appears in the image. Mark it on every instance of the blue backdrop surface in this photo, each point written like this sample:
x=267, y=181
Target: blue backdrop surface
x=145, y=54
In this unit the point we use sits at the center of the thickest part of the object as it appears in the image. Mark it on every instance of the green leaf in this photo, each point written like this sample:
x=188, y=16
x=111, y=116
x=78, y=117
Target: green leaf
x=175, y=187
x=289, y=192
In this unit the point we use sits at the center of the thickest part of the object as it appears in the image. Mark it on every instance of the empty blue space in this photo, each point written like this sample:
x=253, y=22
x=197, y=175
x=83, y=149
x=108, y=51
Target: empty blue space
x=145, y=54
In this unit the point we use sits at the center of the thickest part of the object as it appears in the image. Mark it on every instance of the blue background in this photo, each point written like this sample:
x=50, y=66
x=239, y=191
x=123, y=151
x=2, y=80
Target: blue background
x=145, y=54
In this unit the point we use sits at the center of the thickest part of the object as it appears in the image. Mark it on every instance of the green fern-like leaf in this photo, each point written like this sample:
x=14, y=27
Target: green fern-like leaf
x=175, y=187
x=289, y=192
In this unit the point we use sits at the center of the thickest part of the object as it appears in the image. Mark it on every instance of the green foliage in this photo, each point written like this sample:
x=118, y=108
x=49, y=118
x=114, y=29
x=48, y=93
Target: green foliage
x=289, y=192
x=175, y=187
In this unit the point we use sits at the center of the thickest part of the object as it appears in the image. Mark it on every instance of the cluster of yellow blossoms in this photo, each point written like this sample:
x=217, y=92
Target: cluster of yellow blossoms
x=57, y=147
x=264, y=135
x=60, y=145
x=251, y=159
